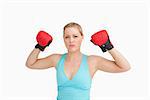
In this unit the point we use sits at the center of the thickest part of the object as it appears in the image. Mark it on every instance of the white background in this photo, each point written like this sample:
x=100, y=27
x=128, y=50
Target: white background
x=127, y=24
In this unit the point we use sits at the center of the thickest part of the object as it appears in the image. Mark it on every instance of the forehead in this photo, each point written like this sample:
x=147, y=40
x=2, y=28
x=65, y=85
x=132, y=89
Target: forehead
x=71, y=30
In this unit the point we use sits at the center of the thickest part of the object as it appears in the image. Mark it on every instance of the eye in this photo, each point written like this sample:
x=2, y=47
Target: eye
x=66, y=37
x=75, y=36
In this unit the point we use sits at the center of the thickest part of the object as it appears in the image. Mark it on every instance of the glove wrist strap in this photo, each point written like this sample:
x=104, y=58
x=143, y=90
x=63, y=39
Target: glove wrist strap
x=107, y=46
x=40, y=47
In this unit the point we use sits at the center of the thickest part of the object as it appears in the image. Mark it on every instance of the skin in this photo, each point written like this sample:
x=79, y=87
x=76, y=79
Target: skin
x=72, y=36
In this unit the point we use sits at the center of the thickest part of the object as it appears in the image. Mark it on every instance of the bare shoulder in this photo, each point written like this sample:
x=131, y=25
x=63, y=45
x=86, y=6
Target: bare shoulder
x=55, y=58
x=96, y=59
x=56, y=55
x=92, y=61
x=93, y=58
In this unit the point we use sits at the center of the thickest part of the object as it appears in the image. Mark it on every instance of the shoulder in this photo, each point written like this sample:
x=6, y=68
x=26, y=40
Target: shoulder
x=55, y=58
x=56, y=55
x=92, y=63
x=93, y=58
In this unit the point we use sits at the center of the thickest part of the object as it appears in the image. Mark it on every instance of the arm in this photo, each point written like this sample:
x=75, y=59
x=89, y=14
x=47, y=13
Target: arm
x=120, y=64
x=44, y=40
x=43, y=63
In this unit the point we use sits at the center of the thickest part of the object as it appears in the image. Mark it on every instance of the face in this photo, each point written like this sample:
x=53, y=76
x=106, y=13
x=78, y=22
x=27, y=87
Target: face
x=73, y=39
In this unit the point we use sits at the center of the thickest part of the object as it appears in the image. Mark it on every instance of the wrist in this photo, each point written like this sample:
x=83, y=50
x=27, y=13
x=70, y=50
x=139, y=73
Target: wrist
x=111, y=50
x=41, y=48
x=107, y=46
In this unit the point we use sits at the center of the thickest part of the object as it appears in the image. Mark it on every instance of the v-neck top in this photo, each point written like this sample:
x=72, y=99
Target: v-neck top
x=77, y=88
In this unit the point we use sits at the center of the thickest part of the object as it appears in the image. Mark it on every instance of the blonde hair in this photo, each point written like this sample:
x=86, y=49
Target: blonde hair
x=73, y=24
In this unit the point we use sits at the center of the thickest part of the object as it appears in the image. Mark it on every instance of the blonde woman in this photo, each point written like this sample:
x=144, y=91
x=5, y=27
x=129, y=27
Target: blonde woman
x=75, y=70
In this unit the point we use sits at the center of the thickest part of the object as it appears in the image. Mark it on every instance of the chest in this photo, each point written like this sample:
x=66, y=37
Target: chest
x=71, y=69
x=73, y=75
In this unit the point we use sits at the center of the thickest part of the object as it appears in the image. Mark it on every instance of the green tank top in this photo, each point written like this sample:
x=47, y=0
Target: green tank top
x=78, y=88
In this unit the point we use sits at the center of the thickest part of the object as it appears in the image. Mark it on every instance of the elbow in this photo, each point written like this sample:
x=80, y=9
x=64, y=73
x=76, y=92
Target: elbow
x=126, y=68
x=28, y=65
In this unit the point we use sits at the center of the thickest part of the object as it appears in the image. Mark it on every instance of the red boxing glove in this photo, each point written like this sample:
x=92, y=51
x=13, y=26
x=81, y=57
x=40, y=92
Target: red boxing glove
x=101, y=39
x=43, y=39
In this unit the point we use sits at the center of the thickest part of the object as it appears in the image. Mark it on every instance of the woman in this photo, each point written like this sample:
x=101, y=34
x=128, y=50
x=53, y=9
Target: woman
x=75, y=70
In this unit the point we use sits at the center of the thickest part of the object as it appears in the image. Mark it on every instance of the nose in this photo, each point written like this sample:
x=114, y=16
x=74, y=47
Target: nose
x=71, y=39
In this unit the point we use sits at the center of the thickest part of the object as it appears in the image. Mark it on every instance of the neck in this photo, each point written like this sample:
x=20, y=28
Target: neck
x=73, y=56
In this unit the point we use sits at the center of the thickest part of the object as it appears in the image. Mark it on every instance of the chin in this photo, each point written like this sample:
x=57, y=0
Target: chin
x=72, y=50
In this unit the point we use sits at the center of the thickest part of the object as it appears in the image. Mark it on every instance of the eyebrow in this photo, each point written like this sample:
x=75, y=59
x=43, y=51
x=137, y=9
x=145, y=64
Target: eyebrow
x=69, y=35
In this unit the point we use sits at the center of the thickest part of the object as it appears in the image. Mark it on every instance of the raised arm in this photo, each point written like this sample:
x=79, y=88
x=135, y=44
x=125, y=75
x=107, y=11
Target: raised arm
x=119, y=64
x=43, y=39
x=42, y=63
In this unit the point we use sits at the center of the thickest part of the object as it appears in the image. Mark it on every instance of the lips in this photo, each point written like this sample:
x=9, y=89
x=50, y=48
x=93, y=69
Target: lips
x=71, y=45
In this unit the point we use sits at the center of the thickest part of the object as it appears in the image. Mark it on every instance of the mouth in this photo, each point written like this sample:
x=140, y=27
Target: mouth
x=71, y=45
